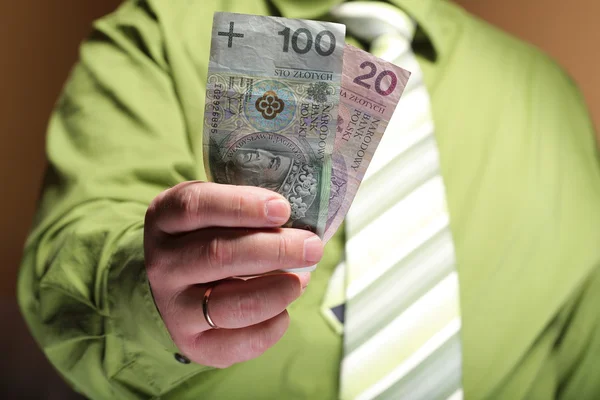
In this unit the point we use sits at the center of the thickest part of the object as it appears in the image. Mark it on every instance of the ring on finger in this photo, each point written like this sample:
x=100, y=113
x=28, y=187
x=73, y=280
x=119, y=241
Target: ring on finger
x=205, y=300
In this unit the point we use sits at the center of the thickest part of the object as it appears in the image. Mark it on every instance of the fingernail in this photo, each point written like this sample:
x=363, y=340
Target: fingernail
x=313, y=250
x=277, y=211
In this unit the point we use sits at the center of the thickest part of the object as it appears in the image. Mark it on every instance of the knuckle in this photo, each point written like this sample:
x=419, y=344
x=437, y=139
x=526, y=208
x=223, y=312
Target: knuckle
x=151, y=211
x=220, y=253
x=259, y=343
x=171, y=315
x=250, y=306
x=161, y=202
x=152, y=274
x=171, y=310
x=159, y=264
x=283, y=247
x=238, y=205
x=154, y=271
x=191, y=203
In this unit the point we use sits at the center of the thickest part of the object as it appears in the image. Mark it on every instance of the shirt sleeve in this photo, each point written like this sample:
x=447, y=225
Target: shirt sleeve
x=574, y=359
x=577, y=348
x=117, y=137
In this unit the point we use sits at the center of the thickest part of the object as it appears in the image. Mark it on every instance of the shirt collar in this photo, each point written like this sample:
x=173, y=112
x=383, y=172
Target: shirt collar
x=422, y=11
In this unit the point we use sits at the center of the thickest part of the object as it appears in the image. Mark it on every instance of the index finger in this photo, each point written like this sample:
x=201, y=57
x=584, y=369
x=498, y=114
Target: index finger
x=195, y=205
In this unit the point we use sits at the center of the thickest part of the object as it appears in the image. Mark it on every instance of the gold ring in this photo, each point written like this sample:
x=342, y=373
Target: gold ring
x=207, y=317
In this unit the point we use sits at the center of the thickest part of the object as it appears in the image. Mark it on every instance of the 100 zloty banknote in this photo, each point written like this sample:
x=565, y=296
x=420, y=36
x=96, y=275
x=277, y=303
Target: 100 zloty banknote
x=271, y=113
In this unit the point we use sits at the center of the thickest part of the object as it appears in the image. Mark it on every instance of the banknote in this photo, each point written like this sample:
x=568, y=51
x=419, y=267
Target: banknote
x=371, y=89
x=273, y=90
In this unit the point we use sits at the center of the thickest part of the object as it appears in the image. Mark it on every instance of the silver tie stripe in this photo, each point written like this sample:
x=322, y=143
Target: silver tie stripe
x=402, y=314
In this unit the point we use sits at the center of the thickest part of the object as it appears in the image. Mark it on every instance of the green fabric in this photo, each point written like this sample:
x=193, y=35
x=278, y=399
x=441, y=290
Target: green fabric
x=523, y=185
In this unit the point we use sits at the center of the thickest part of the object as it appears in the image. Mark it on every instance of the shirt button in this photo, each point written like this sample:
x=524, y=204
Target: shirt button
x=181, y=359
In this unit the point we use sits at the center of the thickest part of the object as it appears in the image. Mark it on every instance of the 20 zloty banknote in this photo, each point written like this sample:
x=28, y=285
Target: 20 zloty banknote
x=371, y=89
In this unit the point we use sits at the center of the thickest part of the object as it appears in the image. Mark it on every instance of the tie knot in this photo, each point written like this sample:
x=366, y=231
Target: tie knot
x=371, y=20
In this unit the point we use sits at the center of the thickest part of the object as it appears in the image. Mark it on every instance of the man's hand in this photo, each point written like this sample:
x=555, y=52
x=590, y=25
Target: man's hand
x=198, y=235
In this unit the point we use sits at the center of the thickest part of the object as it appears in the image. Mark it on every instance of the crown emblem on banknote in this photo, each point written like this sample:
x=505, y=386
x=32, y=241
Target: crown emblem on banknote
x=269, y=105
x=300, y=188
x=318, y=92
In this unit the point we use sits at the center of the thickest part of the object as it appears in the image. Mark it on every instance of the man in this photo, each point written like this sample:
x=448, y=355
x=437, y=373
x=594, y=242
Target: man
x=118, y=265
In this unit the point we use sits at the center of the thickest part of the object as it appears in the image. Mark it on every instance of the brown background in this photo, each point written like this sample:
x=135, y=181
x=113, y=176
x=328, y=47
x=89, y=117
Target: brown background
x=38, y=42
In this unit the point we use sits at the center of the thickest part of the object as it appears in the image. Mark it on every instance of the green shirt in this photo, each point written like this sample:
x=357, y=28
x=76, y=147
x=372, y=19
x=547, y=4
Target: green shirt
x=523, y=187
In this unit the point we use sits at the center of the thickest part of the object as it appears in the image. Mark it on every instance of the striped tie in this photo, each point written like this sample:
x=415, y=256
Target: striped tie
x=402, y=316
